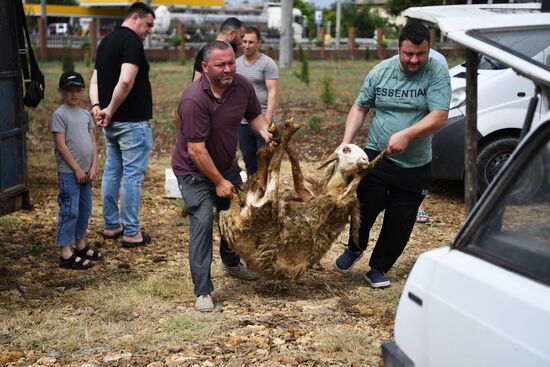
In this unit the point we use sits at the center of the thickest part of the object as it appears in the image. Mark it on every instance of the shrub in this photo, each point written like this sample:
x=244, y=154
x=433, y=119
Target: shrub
x=174, y=41
x=313, y=122
x=68, y=61
x=85, y=45
x=304, y=72
x=327, y=92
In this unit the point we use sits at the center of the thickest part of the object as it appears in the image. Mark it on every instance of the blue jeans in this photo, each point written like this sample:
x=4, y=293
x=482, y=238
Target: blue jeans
x=249, y=142
x=128, y=145
x=75, y=208
x=199, y=195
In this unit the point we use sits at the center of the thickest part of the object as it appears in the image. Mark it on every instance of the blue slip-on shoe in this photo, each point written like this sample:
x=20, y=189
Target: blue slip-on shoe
x=376, y=279
x=344, y=263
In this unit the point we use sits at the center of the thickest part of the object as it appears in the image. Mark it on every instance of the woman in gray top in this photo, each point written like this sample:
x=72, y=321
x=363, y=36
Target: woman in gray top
x=263, y=73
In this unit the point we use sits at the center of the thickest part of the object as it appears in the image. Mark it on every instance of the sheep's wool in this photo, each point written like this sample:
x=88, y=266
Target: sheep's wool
x=281, y=241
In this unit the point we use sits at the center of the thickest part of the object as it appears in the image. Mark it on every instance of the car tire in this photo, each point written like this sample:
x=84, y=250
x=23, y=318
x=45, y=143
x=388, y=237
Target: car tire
x=491, y=159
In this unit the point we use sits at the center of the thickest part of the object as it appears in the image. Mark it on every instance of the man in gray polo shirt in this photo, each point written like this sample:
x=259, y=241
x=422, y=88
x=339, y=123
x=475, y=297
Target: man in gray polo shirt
x=204, y=160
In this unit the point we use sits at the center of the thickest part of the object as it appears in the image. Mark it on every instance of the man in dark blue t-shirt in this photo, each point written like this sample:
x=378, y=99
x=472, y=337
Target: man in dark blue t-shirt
x=231, y=31
x=120, y=93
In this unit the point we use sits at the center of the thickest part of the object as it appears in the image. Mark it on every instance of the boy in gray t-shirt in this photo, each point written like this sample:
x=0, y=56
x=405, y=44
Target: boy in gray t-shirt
x=76, y=156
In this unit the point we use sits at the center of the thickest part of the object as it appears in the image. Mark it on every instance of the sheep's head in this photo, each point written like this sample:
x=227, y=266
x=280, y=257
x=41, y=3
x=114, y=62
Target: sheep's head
x=351, y=160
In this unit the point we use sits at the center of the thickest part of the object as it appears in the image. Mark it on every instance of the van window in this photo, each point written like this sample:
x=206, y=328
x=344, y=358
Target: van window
x=530, y=44
x=487, y=63
x=517, y=231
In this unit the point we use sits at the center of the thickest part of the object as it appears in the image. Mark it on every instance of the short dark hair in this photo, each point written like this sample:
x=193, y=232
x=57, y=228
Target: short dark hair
x=214, y=45
x=256, y=31
x=230, y=24
x=414, y=32
x=140, y=8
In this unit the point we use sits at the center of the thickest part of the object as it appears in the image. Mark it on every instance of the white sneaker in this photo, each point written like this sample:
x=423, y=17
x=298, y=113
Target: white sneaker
x=204, y=303
x=238, y=271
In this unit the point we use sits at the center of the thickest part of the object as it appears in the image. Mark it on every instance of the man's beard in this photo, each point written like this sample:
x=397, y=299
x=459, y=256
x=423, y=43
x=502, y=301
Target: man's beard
x=235, y=46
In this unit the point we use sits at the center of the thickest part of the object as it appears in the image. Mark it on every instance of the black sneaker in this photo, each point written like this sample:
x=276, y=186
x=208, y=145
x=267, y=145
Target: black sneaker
x=376, y=279
x=344, y=263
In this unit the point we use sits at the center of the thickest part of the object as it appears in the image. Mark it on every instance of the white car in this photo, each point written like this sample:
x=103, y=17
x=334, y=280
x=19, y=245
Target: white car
x=485, y=299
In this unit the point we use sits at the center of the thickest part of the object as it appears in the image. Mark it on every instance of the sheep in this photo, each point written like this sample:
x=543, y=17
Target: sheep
x=281, y=236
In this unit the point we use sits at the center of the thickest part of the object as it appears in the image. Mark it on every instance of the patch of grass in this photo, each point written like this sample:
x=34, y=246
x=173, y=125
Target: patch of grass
x=391, y=295
x=8, y=222
x=313, y=122
x=353, y=346
x=37, y=246
x=188, y=327
x=157, y=287
x=179, y=323
x=142, y=315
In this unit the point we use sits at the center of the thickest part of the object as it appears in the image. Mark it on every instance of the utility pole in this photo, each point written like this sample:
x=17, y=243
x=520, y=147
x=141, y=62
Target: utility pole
x=285, y=41
x=338, y=21
x=42, y=31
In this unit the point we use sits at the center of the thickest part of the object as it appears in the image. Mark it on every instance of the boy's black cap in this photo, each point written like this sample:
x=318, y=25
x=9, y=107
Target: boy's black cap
x=71, y=78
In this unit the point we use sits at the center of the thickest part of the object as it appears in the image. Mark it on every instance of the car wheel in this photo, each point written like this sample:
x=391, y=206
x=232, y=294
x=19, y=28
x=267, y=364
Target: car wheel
x=491, y=159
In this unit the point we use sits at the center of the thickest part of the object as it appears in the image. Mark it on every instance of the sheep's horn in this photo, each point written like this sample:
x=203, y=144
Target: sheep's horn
x=330, y=159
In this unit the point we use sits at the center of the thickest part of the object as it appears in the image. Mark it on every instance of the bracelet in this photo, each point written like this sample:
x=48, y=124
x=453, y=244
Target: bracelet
x=96, y=104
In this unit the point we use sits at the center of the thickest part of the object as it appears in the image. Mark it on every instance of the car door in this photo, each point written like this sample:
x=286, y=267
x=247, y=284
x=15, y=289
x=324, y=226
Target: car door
x=485, y=301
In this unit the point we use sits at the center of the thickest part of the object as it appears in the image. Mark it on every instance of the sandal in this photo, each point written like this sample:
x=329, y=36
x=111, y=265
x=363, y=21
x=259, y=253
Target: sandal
x=146, y=239
x=422, y=217
x=95, y=256
x=74, y=262
x=111, y=237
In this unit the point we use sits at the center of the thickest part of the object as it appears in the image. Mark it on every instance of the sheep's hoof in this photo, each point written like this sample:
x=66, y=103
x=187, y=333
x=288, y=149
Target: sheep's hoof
x=290, y=128
x=272, y=128
x=291, y=125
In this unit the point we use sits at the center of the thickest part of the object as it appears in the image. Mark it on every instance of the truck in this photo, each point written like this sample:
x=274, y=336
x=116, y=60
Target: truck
x=199, y=23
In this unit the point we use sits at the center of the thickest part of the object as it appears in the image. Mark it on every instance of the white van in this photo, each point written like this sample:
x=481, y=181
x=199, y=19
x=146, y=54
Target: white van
x=485, y=300
x=503, y=101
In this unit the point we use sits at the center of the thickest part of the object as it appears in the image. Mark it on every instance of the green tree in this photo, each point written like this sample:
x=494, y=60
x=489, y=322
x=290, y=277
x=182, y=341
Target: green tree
x=364, y=17
x=308, y=11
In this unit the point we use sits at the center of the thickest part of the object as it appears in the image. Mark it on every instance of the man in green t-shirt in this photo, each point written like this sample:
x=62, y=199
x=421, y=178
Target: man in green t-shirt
x=410, y=94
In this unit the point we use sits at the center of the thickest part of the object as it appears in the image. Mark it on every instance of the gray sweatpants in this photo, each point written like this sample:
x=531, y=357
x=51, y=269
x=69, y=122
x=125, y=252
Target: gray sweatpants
x=199, y=195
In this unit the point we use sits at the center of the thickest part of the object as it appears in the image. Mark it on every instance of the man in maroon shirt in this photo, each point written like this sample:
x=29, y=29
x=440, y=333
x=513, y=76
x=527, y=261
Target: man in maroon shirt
x=205, y=162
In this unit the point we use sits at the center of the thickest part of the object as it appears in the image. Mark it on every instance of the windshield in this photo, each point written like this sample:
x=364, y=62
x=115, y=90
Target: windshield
x=532, y=44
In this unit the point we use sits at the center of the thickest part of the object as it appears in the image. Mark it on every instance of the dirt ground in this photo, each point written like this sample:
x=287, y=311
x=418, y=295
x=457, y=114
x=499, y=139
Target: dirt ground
x=135, y=308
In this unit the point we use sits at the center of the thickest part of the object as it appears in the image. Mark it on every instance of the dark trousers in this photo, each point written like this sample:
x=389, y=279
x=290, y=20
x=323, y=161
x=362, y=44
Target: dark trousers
x=249, y=143
x=398, y=192
x=199, y=195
